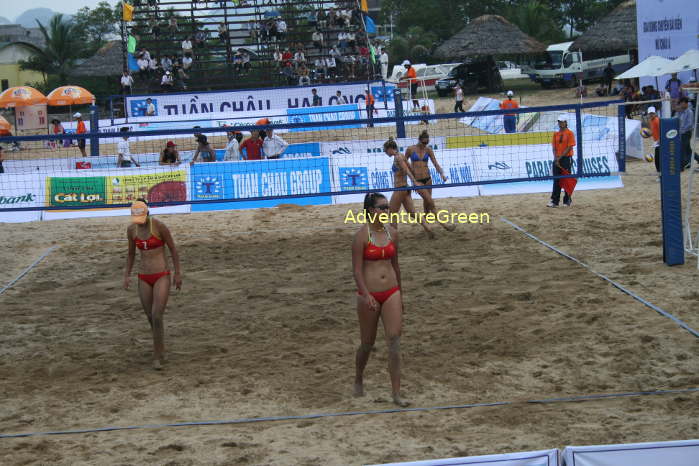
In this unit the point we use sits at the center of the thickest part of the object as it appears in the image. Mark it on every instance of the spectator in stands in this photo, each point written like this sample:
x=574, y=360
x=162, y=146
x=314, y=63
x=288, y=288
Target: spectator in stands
x=246, y=61
x=182, y=77
x=187, y=45
x=154, y=28
x=2, y=170
x=303, y=73
x=152, y=67
x=124, y=151
x=166, y=63
x=316, y=98
x=167, y=82
x=253, y=27
x=342, y=40
x=351, y=40
x=232, y=150
x=601, y=90
x=616, y=88
x=200, y=38
x=150, y=108
x=278, y=58
x=312, y=18
x=126, y=83
x=346, y=16
x=273, y=146
x=143, y=66
x=350, y=62
x=174, y=28
x=237, y=61
x=80, y=129
x=340, y=99
x=319, y=69
x=251, y=148
x=331, y=65
x=287, y=56
x=383, y=61
x=322, y=19
x=223, y=33
x=187, y=61
x=299, y=58
x=204, y=149
x=318, y=40
x=332, y=17
x=281, y=29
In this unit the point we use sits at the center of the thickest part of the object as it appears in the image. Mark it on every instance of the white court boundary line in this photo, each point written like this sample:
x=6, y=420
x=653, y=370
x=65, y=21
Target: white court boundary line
x=28, y=269
x=607, y=279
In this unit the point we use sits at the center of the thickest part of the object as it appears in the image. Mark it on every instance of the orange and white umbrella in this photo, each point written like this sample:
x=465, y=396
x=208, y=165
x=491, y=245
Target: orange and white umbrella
x=21, y=96
x=70, y=95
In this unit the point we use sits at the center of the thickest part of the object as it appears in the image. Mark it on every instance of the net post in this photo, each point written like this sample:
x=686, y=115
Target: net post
x=400, y=122
x=579, y=138
x=621, y=153
x=670, y=191
x=94, y=129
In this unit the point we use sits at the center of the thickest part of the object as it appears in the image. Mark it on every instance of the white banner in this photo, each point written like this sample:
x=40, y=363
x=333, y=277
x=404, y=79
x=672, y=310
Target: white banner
x=21, y=190
x=227, y=104
x=666, y=28
x=529, y=458
x=31, y=117
x=678, y=453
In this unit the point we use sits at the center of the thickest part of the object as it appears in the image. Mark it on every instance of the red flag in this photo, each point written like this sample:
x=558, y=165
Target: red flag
x=568, y=184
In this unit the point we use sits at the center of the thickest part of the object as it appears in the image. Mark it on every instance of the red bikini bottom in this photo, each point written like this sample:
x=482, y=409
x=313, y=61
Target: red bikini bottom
x=382, y=296
x=151, y=278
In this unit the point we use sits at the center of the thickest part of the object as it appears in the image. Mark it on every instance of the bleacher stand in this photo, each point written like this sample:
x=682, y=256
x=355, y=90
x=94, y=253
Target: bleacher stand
x=226, y=44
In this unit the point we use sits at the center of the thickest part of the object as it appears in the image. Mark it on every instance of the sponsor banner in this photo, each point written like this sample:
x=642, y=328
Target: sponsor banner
x=240, y=180
x=225, y=104
x=352, y=174
x=498, y=164
x=19, y=190
x=595, y=127
x=675, y=453
x=373, y=147
x=666, y=28
x=96, y=187
x=529, y=458
x=324, y=114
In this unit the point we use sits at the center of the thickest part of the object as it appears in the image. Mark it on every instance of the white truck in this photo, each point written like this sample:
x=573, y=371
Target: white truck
x=563, y=66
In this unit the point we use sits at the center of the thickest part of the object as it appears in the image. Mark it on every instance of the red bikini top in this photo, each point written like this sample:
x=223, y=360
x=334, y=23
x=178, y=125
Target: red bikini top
x=373, y=252
x=153, y=242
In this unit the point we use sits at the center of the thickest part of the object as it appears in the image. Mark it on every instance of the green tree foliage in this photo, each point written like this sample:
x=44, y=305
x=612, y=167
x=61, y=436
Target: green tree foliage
x=63, y=47
x=534, y=18
x=414, y=45
x=96, y=26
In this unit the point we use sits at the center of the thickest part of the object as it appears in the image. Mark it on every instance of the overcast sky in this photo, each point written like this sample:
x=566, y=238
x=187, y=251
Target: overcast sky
x=12, y=9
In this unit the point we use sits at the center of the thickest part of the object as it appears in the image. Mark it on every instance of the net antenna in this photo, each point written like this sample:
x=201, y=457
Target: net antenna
x=691, y=245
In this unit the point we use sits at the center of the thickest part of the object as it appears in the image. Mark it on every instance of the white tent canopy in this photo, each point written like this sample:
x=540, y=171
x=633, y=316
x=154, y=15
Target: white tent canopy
x=651, y=66
x=688, y=61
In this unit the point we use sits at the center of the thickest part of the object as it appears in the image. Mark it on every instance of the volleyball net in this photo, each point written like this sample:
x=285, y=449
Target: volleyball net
x=313, y=155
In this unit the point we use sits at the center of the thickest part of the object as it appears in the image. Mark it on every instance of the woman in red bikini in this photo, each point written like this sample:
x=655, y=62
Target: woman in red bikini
x=150, y=235
x=376, y=272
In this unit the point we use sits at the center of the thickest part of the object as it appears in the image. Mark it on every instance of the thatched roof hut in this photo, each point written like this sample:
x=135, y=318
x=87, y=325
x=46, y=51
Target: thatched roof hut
x=488, y=35
x=107, y=61
x=614, y=32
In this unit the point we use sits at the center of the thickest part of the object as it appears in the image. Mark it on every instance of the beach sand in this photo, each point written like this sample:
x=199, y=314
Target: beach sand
x=265, y=325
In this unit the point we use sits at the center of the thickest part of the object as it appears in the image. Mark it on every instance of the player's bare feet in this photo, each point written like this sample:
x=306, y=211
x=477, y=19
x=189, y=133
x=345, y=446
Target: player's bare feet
x=398, y=401
x=358, y=389
x=157, y=365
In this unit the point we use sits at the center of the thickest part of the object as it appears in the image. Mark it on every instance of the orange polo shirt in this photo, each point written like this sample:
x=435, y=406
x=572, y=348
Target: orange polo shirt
x=81, y=127
x=369, y=99
x=655, y=128
x=562, y=140
x=508, y=105
x=412, y=75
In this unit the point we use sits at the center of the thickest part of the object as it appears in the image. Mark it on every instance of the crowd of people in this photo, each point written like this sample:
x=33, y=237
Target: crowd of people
x=338, y=49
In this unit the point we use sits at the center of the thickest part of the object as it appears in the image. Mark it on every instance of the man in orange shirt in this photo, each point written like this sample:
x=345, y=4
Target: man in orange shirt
x=81, y=129
x=562, y=145
x=411, y=76
x=654, y=122
x=370, y=108
x=509, y=119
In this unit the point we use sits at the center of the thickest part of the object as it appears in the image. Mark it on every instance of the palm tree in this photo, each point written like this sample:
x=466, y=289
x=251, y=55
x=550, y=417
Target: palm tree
x=63, y=47
x=535, y=19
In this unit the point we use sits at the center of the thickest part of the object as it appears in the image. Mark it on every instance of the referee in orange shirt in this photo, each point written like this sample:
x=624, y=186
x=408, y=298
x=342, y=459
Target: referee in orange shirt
x=509, y=119
x=655, y=133
x=370, y=108
x=411, y=76
x=81, y=129
x=562, y=145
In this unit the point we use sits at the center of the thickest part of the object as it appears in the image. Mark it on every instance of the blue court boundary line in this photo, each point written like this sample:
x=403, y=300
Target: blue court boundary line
x=28, y=269
x=607, y=279
x=353, y=413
